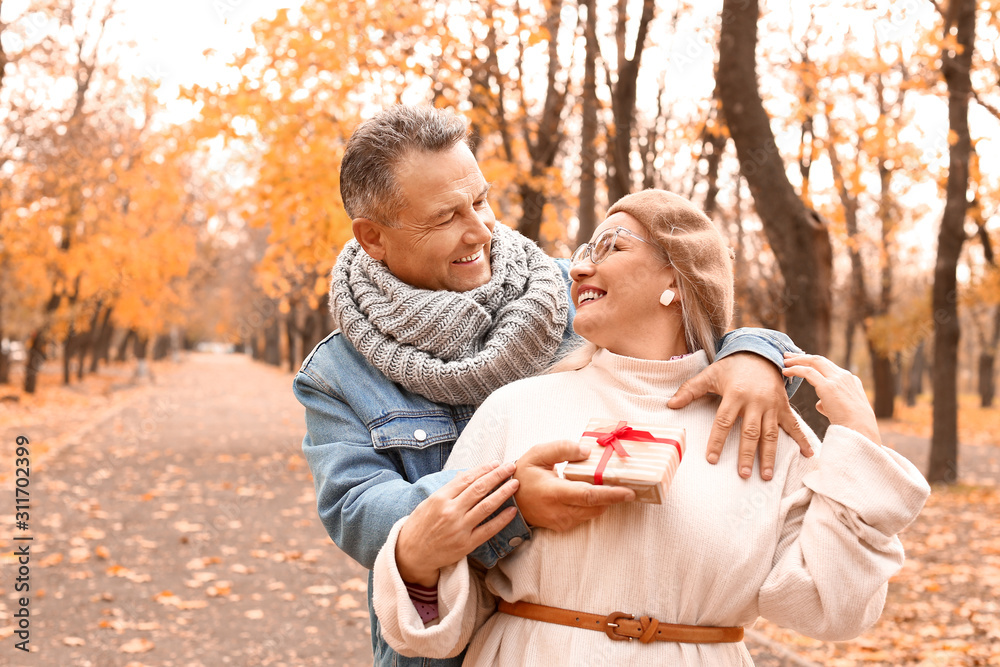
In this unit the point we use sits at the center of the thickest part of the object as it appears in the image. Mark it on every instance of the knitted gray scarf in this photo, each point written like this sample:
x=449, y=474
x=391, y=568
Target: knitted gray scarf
x=454, y=347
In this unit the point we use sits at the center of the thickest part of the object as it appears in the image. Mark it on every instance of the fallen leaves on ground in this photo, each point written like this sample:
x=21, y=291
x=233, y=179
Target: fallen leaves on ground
x=57, y=410
x=942, y=608
x=169, y=599
x=138, y=645
x=976, y=425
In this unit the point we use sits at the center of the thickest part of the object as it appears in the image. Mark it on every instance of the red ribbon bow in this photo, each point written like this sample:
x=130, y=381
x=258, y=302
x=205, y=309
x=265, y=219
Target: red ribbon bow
x=612, y=443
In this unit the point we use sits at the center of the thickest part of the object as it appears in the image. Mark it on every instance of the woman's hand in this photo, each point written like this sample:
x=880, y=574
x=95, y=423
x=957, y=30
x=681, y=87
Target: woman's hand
x=842, y=397
x=445, y=527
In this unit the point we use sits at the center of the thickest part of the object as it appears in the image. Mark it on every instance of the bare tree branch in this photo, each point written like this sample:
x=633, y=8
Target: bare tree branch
x=986, y=105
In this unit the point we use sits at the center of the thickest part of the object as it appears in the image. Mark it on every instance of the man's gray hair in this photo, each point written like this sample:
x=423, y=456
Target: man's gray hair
x=368, y=185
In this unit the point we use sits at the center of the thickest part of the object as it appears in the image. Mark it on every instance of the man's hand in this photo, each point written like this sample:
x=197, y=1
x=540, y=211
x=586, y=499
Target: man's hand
x=752, y=388
x=445, y=527
x=547, y=501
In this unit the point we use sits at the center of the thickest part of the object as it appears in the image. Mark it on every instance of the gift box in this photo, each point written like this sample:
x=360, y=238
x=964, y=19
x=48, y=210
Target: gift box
x=642, y=457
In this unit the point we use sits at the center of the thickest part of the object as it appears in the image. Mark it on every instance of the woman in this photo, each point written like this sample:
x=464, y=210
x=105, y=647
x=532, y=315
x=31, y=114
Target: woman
x=813, y=550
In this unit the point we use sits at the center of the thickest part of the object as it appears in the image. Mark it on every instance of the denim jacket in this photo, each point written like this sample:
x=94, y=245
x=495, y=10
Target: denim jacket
x=376, y=450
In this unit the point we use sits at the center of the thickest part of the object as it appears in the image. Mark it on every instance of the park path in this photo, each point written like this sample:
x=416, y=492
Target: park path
x=177, y=527
x=180, y=530
x=978, y=465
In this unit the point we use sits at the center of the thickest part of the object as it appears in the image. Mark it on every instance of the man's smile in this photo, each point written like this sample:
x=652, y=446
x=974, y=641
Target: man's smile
x=469, y=258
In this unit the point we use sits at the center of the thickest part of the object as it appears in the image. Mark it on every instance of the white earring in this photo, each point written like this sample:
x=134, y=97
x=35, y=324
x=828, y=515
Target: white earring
x=667, y=297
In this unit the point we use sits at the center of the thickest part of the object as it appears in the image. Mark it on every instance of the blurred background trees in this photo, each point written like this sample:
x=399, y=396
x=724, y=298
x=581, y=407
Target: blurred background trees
x=847, y=150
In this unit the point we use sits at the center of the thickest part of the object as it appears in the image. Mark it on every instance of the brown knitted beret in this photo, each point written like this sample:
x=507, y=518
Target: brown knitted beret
x=693, y=245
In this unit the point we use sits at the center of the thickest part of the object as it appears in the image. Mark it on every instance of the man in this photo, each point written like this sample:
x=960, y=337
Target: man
x=437, y=306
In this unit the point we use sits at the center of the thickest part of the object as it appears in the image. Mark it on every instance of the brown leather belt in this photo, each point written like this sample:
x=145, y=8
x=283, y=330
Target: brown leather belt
x=620, y=626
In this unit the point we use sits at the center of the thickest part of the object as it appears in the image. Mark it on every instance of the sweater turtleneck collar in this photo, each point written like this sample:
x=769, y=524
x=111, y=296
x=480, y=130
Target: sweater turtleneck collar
x=648, y=377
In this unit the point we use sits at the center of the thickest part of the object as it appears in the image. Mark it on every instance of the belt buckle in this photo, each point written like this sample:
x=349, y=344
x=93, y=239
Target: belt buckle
x=610, y=625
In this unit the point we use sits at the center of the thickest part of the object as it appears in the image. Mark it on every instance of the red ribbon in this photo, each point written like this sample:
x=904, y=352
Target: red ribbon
x=612, y=443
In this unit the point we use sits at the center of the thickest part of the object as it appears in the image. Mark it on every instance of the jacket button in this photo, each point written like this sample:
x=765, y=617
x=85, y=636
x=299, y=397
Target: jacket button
x=420, y=434
x=515, y=541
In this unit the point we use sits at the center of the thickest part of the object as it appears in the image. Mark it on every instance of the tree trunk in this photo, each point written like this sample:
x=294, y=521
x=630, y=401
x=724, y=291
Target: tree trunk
x=897, y=371
x=859, y=305
x=740, y=261
x=915, y=384
x=102, y=346
x=141, y=351
x=588, y=136
x=4, y=59
x=87, y=342
x=36, y=357
x=293, y=334
x=532, y=207
x=850, y=325
x=956, y=65
x=69, y=349
x=885, y=393
x=885, y=383
x=161, y=348
x=141, y=347
x=4, y=354
x=987, y=361
x=81, y=355
x=991, y=339
x=623, y=103
x=714, y=141
x=799, y=237
x=987, y=381
x=255, y=350
x=123, y=346
x=272, y=343
x=544, y=146
x=317, y=326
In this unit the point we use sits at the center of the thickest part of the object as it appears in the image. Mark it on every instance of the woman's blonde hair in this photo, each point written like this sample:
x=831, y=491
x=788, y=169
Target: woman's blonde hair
x=701, y=261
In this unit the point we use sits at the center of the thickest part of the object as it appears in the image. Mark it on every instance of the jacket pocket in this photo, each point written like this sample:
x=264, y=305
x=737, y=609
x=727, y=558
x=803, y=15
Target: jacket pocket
x=413, y=431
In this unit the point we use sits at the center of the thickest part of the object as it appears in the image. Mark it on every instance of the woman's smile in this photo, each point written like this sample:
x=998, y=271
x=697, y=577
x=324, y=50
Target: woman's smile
x=588, y=293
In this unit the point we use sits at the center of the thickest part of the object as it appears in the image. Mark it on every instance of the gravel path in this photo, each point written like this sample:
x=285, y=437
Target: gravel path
x=181, y=530
x=978, y=465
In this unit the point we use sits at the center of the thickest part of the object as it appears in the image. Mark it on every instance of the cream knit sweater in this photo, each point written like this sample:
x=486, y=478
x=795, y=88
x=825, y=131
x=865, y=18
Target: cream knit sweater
x=811, y=550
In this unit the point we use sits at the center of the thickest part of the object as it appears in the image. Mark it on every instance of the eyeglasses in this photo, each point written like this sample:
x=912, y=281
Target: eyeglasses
x=599, y=250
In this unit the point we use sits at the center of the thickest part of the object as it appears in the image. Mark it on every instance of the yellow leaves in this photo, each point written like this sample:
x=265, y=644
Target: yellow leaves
x=538, y=35
x=950, y=43
x=345, y=602
x=221, y=589
x=976, y=425
x=171, y=600
x=50, y=560
x=185, y=526
x=79, y=555
x=202, y=563
x=110, y=228
x=355, y=584
x=124, y=572
x=942, y=606
x=137, y=645
x=92, y=533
